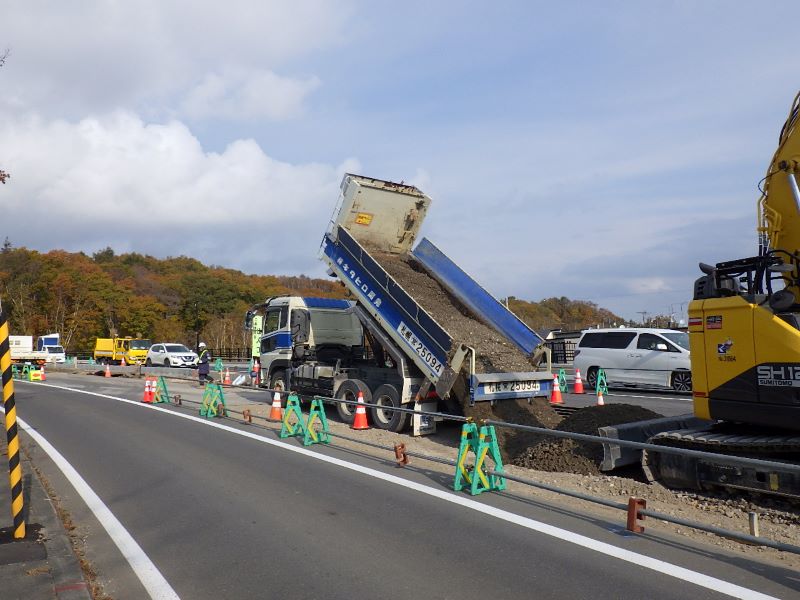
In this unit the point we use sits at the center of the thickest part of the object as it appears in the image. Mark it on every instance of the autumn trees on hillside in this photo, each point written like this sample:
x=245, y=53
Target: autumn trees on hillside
x=84, y=297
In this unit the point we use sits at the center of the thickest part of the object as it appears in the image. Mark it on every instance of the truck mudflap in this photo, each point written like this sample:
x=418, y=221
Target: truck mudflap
x=488, y=387
x=472, y=295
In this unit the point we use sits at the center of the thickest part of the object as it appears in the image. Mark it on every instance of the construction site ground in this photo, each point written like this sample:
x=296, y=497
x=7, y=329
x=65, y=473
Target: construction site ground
x=779, y=520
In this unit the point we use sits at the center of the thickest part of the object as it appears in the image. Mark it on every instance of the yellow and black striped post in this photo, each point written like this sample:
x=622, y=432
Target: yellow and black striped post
x=12, y=433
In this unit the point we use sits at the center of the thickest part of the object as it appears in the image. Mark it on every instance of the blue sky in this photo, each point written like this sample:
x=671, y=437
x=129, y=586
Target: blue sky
x=591, y=150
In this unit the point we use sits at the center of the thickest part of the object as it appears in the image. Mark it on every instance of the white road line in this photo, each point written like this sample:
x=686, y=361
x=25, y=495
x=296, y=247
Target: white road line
x=654, y=564
x=146, y=571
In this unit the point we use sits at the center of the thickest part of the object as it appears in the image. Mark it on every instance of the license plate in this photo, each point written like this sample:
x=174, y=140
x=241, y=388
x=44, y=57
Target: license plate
x=500, y=387
x=421, y=349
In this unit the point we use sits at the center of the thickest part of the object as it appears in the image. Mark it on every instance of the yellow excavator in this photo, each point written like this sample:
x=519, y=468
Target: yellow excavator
x=744, y=336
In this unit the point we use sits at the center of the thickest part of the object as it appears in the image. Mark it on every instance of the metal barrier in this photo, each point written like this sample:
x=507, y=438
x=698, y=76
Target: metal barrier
x=635, y=509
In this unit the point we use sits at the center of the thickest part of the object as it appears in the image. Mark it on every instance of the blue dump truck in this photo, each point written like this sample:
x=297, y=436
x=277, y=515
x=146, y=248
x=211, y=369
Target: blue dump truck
x=384, y=342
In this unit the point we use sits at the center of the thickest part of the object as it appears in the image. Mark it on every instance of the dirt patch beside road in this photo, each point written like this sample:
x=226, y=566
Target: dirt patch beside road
x=571, y=456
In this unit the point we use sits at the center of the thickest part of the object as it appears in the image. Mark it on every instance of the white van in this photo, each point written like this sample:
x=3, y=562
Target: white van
x=636, y=357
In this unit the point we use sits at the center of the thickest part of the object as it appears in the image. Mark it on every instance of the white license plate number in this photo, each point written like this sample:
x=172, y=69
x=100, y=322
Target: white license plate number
x=421, y=349
x=500, y=387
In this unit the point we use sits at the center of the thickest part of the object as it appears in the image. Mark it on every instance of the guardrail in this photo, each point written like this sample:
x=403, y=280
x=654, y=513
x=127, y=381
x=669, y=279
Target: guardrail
x=635, y=509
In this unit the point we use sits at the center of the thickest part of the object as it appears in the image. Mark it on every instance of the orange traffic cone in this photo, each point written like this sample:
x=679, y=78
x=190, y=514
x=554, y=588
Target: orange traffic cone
x=108, y=371
x=122, y=362
x=555, y=397
x=275, y=412
x=360, y=420
x=600, y=398
x=147, y=397
x=227, y=380
x=43, y=376
x=578, y=387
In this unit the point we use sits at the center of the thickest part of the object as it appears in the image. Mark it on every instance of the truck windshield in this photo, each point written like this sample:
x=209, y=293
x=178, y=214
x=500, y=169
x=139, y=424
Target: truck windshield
x=140, y=344
x=678, y=337
x=55, y=349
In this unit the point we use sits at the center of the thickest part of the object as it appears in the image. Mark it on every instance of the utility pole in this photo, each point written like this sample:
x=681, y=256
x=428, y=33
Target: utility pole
x=643, y=313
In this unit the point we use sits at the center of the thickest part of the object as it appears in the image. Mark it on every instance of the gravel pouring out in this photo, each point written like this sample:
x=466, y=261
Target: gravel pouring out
x=496, y=354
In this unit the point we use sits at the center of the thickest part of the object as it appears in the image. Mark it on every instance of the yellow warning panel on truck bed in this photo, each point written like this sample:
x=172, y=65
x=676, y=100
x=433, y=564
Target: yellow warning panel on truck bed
x=363, y=218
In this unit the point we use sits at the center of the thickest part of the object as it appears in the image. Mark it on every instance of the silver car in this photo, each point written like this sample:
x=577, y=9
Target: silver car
x=170, y=355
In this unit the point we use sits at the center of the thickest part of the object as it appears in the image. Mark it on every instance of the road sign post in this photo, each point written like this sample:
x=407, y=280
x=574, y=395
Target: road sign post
x=12, y=433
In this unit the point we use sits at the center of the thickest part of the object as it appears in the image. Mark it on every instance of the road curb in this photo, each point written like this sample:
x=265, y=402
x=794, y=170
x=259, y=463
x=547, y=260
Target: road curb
x=65, y=569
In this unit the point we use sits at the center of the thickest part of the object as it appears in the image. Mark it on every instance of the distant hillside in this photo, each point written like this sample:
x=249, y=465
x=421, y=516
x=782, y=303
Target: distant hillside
x=85, y=297
x=562, y=313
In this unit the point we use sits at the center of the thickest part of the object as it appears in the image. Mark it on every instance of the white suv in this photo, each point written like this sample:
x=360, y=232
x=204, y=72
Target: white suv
x=636, y=357
x=170, y=355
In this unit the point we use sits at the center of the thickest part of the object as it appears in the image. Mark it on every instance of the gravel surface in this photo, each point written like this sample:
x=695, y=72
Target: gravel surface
x=495, y=354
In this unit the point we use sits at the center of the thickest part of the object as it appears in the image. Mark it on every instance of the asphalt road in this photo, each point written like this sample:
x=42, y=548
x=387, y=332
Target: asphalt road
x=225, y=516
x=666, y=403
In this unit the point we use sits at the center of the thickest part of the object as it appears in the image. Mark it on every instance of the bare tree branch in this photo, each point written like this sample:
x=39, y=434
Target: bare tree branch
x=3, y=57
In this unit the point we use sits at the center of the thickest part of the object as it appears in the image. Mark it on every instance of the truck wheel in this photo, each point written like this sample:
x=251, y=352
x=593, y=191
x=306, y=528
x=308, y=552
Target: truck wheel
x=682, y=381
x=278, y=381
x=349, y=391
x=387, y=396
x=591, y=378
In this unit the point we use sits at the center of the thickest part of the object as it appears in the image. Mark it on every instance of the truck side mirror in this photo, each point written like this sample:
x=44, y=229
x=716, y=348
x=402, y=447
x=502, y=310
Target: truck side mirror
x=248, y=320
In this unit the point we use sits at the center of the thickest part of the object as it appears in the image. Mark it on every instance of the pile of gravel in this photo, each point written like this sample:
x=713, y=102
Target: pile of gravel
x=570, y=456
x=495, y=354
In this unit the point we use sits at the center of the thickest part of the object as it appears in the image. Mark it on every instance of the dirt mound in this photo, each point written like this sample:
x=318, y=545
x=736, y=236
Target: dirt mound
x=538, y=413
x=495, y=354
x=570, y=456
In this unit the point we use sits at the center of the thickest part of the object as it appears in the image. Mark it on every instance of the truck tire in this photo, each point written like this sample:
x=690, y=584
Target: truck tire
x=387, y=396
x=278, y=381
x=349, y=391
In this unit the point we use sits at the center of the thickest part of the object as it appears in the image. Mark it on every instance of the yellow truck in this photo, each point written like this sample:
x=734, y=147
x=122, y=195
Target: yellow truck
x=112, y=351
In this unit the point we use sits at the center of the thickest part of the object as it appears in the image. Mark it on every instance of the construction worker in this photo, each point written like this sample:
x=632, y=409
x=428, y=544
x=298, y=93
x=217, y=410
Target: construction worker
x=204, y=364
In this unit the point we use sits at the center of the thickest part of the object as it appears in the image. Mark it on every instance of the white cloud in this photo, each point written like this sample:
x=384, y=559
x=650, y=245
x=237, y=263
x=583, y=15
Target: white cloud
x=118, y=181
x=95, y=57
x=243, y=95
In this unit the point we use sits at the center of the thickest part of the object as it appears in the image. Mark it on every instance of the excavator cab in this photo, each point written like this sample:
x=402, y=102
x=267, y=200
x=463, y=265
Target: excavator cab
x=714, y=285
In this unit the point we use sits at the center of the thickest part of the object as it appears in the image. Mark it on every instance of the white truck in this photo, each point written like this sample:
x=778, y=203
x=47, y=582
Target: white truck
x=47, y=350
x=383, y=343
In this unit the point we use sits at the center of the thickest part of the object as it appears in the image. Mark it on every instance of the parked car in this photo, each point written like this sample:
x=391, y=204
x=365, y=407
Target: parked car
x=636, y=357
x=170, y=355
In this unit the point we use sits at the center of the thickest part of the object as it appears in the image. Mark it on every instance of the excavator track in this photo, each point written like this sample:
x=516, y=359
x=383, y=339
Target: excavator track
x=675, y=471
